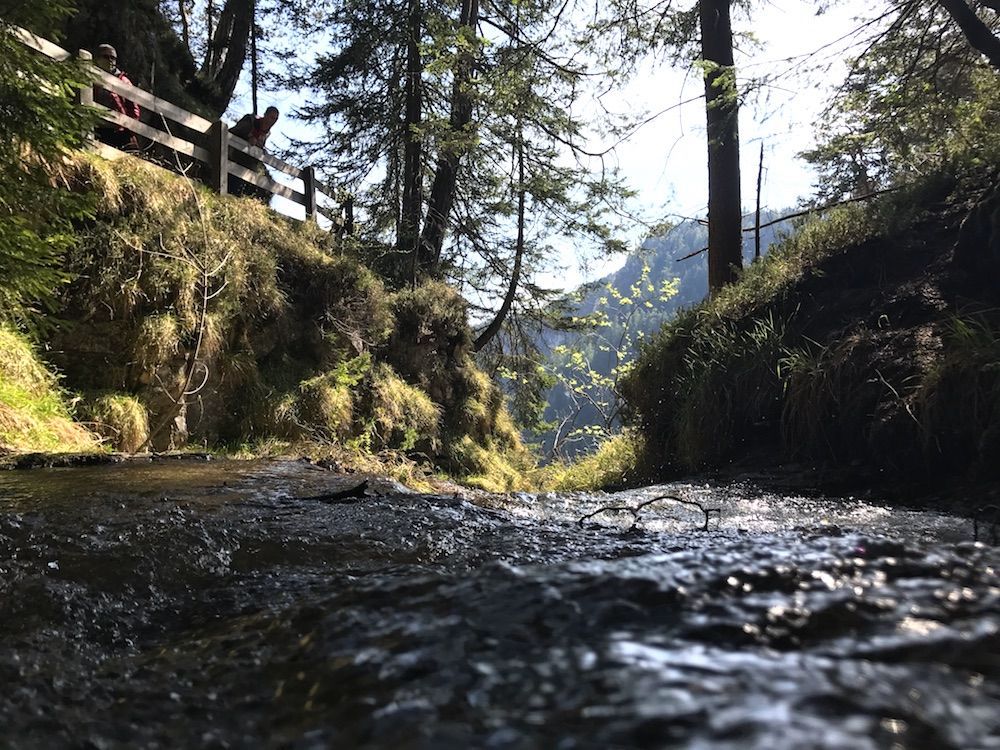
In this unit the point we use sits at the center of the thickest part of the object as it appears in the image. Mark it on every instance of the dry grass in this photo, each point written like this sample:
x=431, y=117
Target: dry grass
x=118, y=418
x=33, y=411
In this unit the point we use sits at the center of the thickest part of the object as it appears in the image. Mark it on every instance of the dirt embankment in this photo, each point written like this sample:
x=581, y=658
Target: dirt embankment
x=193, y=320
x=878, y=367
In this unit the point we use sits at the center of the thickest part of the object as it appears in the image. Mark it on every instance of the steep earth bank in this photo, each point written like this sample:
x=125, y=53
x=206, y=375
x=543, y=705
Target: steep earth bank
x=195, y=320
x=865, y=352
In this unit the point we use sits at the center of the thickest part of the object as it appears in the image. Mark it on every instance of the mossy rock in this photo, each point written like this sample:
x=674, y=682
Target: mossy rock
x=325, y=407
x=403, y=416
x=430, y=340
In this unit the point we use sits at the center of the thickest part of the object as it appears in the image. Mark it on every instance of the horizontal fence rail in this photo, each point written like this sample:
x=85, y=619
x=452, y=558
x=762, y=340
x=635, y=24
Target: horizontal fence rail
x=209, y=144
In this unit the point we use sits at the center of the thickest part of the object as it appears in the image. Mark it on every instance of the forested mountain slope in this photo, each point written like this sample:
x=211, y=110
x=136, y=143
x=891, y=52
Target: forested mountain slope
x=666, y=274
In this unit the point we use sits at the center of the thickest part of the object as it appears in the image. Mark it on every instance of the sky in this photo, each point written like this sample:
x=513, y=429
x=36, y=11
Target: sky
x=665, y=161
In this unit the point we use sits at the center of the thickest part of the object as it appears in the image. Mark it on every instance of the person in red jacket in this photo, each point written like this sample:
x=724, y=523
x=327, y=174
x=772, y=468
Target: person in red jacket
x=106, y=58
x=254, y=130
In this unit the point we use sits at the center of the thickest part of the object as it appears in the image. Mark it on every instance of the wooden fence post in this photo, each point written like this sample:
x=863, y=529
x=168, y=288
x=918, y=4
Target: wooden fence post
x=308, y=175
x=218, y=149
x=85, y=94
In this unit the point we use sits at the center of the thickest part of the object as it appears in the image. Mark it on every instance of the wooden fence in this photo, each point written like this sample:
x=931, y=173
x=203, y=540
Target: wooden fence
x=210, y=144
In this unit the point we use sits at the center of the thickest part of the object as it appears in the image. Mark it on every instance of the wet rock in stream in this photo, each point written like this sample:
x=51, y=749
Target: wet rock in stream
x=204, y=605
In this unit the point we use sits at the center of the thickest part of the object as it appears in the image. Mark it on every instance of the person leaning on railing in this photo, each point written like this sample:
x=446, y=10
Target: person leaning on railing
x=117, y=136
x=254, y=130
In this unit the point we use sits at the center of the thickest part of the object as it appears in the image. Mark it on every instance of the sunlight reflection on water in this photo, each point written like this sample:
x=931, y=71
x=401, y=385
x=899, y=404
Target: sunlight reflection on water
x=188, y=604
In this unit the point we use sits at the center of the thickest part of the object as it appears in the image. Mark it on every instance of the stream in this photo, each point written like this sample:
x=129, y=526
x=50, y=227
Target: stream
x=217, y=604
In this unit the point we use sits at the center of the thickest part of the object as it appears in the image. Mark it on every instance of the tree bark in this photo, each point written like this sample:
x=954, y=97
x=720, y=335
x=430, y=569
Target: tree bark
x=227, y=54
x=515, y=275
x=409, y=224
x=725, y=257
x=185, y=23
x=978, y=33
x=446, y=172
x=209, y=26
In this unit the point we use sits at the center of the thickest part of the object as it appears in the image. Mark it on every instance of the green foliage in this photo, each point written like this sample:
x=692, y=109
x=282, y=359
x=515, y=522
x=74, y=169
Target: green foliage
x=958, y=405
x=522, y=101
x=39, y=125
x=703, y=385
x=431, y=339
x=289, y=343
x=944, y=417
x=920, y=396
x=727, y=381
x=589, y=366
x=527, y=381
x=626, y=308
x=833, y=395
x=488, y=467
x=814, y=239
x=325, y=407
x=613, y=465
x=403, y=416
x=33, y=411
x=919, y=100
x=169, y=271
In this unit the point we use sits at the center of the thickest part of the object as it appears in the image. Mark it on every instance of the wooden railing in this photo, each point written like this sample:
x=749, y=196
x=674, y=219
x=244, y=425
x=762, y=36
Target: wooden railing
x=209, y=144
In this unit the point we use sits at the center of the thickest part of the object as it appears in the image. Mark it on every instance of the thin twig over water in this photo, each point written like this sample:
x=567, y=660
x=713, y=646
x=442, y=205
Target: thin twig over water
x=707, y=513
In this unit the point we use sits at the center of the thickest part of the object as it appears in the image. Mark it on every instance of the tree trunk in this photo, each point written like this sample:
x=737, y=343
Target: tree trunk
x=446, y=173
x=185, y=23
x=725, y=257
x=978, y=33
x=409, y=224
x=227, y=54
x=515, y=275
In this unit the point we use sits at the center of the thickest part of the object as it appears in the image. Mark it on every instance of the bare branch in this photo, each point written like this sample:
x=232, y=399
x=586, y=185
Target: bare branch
x=707, y=513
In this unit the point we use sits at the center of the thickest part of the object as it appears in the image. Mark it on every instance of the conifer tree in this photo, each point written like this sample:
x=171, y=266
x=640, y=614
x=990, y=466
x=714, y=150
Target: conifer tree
x=919, y=97
x=39, y=124
x=698, y=34
x=474, y=120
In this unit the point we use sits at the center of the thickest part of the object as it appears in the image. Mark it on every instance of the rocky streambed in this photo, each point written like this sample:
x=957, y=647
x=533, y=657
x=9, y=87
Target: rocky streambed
x=255, y=604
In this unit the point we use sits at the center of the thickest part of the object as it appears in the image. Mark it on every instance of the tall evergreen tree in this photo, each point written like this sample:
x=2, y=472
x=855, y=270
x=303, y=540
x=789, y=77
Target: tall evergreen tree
x=725, y=211
x=462, y=124
x=919, y=97
x=39, y=123
x=698, y=34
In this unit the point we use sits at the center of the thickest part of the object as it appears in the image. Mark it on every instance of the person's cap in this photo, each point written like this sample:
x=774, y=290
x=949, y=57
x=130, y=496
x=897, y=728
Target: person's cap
x=106, y=50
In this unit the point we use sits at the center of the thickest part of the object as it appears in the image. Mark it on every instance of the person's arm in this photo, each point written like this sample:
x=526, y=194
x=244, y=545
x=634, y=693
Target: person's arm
x=243, y=128
x=129, y=107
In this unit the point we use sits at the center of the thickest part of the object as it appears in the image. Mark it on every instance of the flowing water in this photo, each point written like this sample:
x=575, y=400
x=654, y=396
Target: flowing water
x=187, y=604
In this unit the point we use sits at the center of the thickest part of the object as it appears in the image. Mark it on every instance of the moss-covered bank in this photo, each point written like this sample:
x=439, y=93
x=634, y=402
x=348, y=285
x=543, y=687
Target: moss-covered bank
x=868, y=345
x=198, y=320
x=34, y=411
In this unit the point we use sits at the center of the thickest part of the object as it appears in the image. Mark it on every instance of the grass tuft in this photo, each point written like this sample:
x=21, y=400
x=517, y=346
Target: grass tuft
x=615, y=464
x=119, y=418
x=33, y=411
